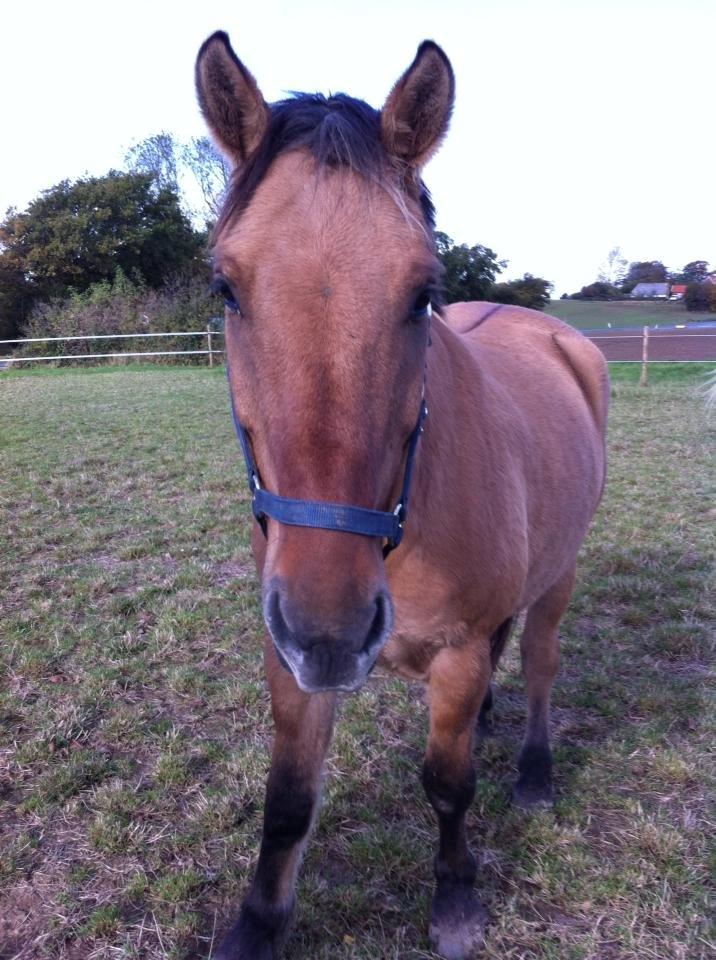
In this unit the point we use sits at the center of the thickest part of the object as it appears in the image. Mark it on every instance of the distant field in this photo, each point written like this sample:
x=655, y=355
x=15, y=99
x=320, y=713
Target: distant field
x=135, y=723
x=586, y=315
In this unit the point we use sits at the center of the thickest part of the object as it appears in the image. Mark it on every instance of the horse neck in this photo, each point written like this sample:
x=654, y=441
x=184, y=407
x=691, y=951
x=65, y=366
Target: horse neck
x=453, y=389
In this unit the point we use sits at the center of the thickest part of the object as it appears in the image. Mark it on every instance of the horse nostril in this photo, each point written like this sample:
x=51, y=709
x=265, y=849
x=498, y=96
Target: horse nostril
x=274, y=617
x=380, y=627
x=357, y=630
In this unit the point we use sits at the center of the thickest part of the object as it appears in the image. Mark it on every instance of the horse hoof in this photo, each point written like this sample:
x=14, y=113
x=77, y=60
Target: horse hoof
x=256, y=935
x=229, y=949
x=531, y=796
x=457, y=925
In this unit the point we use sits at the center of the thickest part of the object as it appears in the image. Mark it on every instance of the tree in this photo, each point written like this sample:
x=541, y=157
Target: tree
x=210, y=171
x=158, y=156
x=76, y=234
x=15, y=296
x=614, y=268
x=644, y=271
x=696, y=271
x=528, y=291
x=171, y=164
x=469, y=271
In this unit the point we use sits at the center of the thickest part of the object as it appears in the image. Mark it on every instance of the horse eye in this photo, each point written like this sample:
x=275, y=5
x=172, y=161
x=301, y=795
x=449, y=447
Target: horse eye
x=422, y=307
x=221, y=288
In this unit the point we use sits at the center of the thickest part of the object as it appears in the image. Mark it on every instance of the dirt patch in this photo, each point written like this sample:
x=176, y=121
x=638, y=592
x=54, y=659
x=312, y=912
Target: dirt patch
x=26, y=918
x=663, y=345
x=223, y=573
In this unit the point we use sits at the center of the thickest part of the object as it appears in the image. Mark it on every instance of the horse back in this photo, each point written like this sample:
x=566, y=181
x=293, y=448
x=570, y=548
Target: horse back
x=518, y=332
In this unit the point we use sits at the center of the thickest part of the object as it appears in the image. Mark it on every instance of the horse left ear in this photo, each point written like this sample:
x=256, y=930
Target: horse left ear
x=416, y=114
x=234, y=109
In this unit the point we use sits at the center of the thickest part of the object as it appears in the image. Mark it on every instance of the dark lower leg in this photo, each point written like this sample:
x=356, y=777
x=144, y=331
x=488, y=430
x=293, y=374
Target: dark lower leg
x=498, y=641
x=450, y=797
x=457, y=918
x=484, y=718
x=303, y=728
x=540, y=662
x=534, y=786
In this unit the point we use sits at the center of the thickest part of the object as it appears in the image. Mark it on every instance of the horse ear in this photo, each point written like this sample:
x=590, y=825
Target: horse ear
x=416, y=114
x=234, y=109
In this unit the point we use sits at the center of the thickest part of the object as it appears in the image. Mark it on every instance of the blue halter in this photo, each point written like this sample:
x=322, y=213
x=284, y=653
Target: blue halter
x=330, y=516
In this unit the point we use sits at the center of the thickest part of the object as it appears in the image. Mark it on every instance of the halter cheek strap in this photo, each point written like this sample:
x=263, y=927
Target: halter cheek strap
x=320, y=513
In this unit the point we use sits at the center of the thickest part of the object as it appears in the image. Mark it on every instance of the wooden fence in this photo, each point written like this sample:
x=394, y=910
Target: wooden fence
x=646, y=347
x=212, y=351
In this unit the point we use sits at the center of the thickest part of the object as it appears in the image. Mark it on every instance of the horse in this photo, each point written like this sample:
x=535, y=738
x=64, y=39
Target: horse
x=356, y=394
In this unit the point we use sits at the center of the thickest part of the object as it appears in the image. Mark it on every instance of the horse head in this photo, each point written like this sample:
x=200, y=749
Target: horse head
x=325, y=257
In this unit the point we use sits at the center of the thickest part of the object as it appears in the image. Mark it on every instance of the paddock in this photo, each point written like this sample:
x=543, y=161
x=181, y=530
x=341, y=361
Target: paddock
x=135, y=718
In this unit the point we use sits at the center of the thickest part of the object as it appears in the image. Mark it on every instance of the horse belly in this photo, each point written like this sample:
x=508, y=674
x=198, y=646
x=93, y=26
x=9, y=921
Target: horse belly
x=571, y=488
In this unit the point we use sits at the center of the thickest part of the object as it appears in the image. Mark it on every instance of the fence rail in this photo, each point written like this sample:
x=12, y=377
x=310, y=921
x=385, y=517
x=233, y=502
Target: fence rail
x=209, y=334
x=653, y=341
x=113, y=336
x=640, y=336
x=102, y=356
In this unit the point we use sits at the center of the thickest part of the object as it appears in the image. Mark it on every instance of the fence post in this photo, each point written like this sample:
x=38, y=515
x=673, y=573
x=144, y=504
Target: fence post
x=211, y=355
x=644, y=378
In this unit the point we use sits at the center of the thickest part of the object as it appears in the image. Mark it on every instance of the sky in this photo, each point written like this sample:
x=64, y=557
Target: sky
x=579, y=125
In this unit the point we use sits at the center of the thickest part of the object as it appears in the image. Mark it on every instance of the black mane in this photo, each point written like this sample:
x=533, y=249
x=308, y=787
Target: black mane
x=338, y=130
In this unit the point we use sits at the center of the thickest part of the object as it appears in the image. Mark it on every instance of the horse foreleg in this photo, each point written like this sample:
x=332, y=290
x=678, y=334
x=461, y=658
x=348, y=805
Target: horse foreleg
x=540, y=661
x=303, y=729
x=459, y=679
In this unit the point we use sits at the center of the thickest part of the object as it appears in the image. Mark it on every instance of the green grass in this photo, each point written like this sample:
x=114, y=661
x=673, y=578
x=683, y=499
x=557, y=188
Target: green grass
x=134, y=718
x=696, y=375
x=586, y=315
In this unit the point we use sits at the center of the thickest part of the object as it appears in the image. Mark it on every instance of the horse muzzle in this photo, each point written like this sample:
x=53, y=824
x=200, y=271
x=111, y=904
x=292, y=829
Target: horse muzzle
x=328, y=656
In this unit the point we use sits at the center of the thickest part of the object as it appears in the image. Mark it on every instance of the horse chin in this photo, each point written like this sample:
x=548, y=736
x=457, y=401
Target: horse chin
x=352, y=687
x=311, y=679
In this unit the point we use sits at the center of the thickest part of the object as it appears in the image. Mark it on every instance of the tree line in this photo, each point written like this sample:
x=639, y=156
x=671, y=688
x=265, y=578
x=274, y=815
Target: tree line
x=135, y=225
x=139, y=235
x=470, y=273
x=618, y=278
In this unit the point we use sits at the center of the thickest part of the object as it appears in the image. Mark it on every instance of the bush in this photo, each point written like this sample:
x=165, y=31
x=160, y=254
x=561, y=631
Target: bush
x=600, y=290
x=528, y=291
x=120, y=307
x=700, y=296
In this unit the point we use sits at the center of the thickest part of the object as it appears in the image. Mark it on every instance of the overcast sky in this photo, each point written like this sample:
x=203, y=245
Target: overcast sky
x=579, y=124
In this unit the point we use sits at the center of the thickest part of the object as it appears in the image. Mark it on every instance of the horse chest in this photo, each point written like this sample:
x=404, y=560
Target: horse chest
x=426, y=621
x=410, y=656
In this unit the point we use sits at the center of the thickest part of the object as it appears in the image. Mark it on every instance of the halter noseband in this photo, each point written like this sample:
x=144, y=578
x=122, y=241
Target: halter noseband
x=320, y=513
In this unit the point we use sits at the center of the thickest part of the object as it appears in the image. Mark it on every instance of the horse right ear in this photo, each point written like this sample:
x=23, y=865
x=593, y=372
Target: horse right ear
x=416, y=114
x=234, y=109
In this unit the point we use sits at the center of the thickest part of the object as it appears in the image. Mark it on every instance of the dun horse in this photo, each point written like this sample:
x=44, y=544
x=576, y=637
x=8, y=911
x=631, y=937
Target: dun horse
x=337, y=343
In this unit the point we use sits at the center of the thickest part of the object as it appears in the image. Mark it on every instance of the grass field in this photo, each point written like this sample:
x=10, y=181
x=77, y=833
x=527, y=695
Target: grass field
x=596, y=315
x=134, y=719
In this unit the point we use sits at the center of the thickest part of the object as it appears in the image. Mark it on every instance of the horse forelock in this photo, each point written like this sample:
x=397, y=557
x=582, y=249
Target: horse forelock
x=339, y=131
